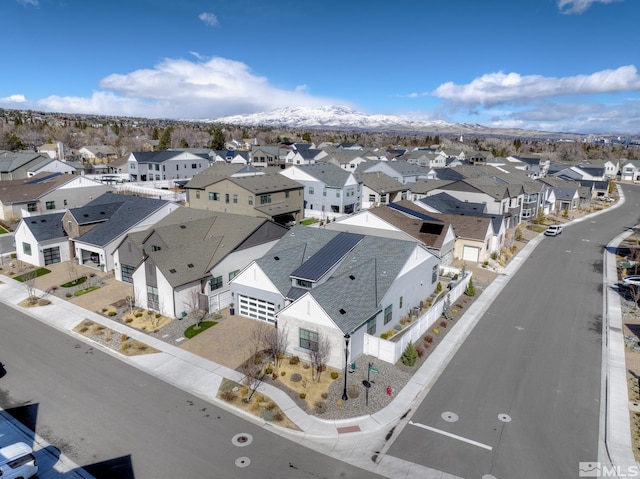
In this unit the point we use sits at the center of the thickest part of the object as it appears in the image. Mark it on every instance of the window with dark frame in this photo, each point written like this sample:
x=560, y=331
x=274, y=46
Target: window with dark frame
x=215, y=283
x=388, y=313
x=308, y=339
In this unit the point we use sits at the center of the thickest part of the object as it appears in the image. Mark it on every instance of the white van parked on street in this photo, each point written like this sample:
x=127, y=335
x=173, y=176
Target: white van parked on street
x=17, y=462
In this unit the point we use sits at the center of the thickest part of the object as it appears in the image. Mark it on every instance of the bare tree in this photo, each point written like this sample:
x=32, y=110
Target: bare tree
x=29, y=281
x=275, y=341
x=133, y=299
x=635, y=294
x=194, y=308
x=319, y=355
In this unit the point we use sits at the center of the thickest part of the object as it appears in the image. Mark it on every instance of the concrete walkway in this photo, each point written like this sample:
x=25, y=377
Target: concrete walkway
x=353, y=440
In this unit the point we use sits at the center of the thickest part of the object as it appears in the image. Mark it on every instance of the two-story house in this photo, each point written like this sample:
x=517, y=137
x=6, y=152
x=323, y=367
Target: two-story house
x=166, y=165
x=249, y=191
x=328, y=189
x=380, y=189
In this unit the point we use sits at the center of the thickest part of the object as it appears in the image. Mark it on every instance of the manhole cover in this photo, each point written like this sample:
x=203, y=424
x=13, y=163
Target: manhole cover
x=504, y=417
x=449, y=416
x=242, y=439
x=243, y=461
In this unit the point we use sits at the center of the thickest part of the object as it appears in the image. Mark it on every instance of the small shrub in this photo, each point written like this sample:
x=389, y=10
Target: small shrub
x=409, y=355
x=68, y=295
x=270, y=406
x=428, y=339
x=43, y=302
x=470, y=290
x=296, y=378
x=138, y=315
x=306, y=366
x=104, y=310
x=320, y=407
x=158, y=315
x=435, y=331
x=269, y=370
x=283, y=373
x=454, y=311
x=123, y=337
x=260, y=398
x=384, y=336
x=83, y=329
x=228, y=396
x=339, y=403
x=353, y=391
x=257, y=360
x=324, y=395
x=293, y=360
x=279, y=417
x=255, y=405
x=244, y=390
x=334, y=375
x=303, y=395
x=111, y=313
x=420, y=351
x=149, y=313
x=443, y=324
x=438, y=287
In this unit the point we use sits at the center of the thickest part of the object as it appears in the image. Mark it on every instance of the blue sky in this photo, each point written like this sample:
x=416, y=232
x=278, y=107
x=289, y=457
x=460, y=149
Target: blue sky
x=554, y=65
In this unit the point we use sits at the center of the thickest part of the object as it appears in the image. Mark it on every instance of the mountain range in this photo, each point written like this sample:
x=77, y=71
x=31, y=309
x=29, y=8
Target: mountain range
x=344, y=118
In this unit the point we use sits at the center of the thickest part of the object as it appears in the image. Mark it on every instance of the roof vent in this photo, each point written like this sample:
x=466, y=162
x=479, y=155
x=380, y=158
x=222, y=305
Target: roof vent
x=190, y=265
x=277, y=258
x=183, y=227
x=342, y=311
x=352, y=277
x=172, y=270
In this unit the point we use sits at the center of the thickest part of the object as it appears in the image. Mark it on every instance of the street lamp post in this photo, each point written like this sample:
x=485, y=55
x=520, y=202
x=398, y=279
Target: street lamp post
x=346, y=365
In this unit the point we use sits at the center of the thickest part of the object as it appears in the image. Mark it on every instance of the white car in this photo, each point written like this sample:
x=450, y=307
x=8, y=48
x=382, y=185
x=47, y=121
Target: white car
x=553, y=230
x=17, y=462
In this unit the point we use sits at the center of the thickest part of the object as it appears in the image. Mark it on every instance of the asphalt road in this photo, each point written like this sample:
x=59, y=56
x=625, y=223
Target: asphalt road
x=118, y=422
x=521, y=396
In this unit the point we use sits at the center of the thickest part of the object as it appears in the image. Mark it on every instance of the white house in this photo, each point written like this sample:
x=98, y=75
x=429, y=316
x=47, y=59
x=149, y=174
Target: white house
x=319, y=283
x=41, y=240
x=631, y=171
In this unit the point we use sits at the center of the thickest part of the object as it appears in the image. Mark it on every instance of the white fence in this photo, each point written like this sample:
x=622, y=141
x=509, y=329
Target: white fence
x=159, y=193
x=390, y=351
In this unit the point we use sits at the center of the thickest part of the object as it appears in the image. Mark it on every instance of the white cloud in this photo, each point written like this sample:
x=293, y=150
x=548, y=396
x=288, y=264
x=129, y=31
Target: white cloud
x=499, y=88
x=209, y=19
x=13, y=99
x=177, y=88
x=579, y=6
x=33, y=3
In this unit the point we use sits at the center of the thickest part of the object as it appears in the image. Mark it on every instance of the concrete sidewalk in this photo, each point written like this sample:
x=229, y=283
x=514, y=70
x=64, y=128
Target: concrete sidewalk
x=353, y=440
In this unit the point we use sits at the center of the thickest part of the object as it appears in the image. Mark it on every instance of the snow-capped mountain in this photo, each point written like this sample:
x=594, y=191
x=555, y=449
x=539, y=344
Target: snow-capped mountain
x=340, y=117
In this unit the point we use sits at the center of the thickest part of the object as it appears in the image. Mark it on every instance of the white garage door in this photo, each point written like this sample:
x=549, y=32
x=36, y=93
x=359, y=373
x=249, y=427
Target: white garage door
x=256, y=308
x=470, y=253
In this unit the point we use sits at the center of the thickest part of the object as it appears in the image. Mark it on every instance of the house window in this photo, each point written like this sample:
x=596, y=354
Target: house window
x=371, y=326
x=338, y=194
x=194, y=166
x=153, y=301
x=303, y=283
x=264, y=199
x=64, y=202
x=31, y=207
x=226, y=198
x=197, y=195
x=235, y=199
x=312, y=190
x=233, y=274
x=383, y=198
x=434, y=274
x=250, y=200
x=286, y=194
x=324, y=192
x=155, y=248
x=127, y=273
x=400, y=303
x=372, y=198
x=213, y=196
x=26, y=248
x=50, y=205
x=388, y=313
x=215, y=283
x=308, y=339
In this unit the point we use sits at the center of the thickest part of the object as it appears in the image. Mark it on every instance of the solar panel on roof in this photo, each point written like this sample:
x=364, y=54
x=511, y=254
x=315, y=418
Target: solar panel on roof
x=415, y=214
x=320, y=263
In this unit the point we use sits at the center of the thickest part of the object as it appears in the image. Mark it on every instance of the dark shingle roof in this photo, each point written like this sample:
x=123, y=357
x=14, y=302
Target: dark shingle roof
x=46, y=227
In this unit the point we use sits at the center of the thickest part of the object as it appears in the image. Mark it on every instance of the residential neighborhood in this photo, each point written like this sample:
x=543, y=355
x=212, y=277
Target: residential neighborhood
x=343, y=257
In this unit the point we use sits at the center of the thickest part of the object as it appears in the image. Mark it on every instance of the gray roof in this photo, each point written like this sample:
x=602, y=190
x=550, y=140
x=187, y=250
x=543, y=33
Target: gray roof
x=445, y=203
x=213, y=174
x=328, y=256
x=355, y=288
x=381, y=182
x=115, y=214
x=331, y=175
x=147, y=157
x=10, y=161
x=45, y=227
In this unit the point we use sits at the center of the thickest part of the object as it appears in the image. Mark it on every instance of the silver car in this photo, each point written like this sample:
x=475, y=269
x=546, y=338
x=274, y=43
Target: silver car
x=553, y=230
x=17, y=461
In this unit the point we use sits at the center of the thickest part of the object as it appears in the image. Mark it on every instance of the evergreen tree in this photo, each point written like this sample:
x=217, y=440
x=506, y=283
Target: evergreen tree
x=471, y=289
x=306, y=137
x=165, y=139
x=446, y=309
x=218, y=139
x=155, y=134
x=11, y=142
x=184, y=143
x=409, y=355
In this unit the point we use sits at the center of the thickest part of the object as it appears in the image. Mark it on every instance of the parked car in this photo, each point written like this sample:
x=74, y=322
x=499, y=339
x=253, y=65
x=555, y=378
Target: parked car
x=95, y=258
x=17, y=461
x=553, y=230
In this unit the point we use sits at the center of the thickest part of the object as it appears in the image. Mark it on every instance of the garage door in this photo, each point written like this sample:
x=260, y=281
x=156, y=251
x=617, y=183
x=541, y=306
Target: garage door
x=470, y=253
x=51, y=255
x=256, y=308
